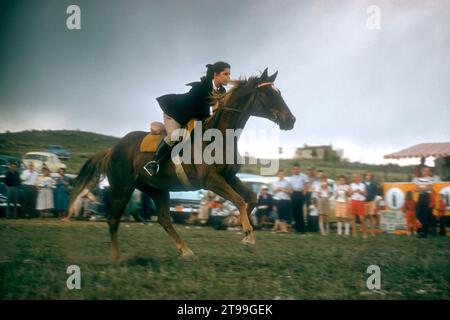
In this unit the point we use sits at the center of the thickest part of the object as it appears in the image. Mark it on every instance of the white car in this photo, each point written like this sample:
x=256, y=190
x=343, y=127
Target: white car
x=50, y=160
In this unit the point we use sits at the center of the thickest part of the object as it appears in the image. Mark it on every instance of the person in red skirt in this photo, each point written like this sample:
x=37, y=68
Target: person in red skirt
x=358, y=192
x=409, y=208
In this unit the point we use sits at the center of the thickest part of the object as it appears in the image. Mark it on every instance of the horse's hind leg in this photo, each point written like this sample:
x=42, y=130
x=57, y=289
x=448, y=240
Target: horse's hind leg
x=161, y=199
x=120, y=197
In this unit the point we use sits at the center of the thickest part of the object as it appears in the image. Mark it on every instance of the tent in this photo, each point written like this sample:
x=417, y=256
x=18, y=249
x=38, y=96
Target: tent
x=440, y=151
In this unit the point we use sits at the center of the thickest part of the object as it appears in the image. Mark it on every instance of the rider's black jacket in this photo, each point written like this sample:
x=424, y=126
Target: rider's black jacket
x=193, y=104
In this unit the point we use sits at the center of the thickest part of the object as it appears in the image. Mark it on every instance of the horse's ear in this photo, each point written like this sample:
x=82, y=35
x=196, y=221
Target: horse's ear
x=264, y=76
x=273, y=77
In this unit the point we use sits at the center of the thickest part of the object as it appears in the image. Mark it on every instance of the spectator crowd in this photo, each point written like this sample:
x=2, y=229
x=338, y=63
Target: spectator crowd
x=302, y=200
x=42, y=194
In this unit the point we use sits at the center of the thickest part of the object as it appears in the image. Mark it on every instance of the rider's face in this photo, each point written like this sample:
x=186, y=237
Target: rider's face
x=223, y=77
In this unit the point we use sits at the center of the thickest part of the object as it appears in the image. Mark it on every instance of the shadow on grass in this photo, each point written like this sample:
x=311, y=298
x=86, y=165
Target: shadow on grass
x=141, y=260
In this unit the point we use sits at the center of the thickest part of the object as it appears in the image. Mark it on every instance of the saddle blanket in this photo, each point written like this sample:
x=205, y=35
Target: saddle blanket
x=150, y=142
x=157, y=133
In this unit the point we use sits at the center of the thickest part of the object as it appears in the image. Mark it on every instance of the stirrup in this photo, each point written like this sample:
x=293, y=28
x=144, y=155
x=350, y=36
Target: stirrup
x=152, y=163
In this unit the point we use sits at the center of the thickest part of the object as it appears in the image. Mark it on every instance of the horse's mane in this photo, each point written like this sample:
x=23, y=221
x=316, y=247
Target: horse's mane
x=237, y=90
x=224, y=98
x=236, y=86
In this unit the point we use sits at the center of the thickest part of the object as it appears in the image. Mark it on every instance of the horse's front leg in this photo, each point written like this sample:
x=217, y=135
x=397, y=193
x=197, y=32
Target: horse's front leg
x=220, y=186
x=248, y=195
x=162, y=199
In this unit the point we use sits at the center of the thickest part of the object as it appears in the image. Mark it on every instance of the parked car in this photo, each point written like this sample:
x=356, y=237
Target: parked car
x=4, y=165
x=50, y=160
x=255, y=182
x=4, y=199
x=60, y=151
x=183, y=204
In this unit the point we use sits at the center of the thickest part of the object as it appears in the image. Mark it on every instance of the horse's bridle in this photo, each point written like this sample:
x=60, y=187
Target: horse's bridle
x=244, y=110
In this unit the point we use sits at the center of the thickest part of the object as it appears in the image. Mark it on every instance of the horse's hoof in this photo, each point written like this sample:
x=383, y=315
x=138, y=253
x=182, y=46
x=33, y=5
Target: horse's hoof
x=189, y=256
x=248, y=240
x=248, y=247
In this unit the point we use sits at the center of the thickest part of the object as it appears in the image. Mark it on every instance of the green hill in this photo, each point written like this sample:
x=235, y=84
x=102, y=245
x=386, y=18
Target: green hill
x=83, y=144
x=80, y=144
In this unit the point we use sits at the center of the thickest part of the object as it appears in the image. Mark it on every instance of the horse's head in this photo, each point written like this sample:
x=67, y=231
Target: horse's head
x=259, y=97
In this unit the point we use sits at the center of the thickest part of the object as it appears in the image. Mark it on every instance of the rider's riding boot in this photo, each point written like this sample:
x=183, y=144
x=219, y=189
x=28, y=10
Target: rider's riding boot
x=162, y=151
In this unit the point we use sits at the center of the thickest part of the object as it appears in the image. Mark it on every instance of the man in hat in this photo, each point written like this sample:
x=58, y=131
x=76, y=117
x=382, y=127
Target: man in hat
x=265, y=205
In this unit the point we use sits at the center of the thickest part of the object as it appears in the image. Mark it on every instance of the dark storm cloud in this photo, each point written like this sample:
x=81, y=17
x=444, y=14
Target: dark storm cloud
x=358, y=88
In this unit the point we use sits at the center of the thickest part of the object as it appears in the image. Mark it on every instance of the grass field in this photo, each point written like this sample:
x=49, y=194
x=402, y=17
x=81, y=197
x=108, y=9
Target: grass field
x=35, y=254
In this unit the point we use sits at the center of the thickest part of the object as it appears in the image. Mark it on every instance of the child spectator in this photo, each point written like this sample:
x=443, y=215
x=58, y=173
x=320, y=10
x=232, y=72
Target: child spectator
x=342, y=196
x=313, y=216
x=409, y=208
x=358, y=196
x=323, y=192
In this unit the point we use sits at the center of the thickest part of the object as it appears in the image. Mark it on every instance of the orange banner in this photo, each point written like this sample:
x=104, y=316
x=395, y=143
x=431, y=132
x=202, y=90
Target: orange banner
x=395, y=193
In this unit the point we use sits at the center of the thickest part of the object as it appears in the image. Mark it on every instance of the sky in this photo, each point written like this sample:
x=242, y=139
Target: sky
x=369, y=87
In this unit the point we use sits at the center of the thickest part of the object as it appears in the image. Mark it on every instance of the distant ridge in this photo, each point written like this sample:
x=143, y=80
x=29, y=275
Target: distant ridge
x=83, y=144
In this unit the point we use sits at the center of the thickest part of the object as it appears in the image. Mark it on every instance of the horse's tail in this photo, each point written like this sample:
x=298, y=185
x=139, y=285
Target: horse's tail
x=90, y=173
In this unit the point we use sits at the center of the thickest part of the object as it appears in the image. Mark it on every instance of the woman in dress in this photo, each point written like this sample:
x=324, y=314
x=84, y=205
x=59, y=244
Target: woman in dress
x=61, y=194
x=45, y=185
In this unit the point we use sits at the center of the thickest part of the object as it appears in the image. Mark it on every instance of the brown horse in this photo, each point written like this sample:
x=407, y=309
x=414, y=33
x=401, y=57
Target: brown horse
x=123, y=163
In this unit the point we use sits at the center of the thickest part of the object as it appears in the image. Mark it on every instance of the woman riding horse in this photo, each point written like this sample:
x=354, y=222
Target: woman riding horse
x=179, y=109
x=123, y=163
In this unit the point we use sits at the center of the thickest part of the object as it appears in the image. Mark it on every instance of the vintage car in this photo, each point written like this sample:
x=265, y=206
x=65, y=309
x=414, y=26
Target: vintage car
x=50, y=160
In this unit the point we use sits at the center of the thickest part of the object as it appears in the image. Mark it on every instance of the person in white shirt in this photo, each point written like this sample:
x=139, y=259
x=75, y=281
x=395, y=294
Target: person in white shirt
x=81, y=205
x=342, y=194
x=298, y=181
x=322, y=192
x=358, y=194
x=424, y=186
x=29, y=178
x=282, y=196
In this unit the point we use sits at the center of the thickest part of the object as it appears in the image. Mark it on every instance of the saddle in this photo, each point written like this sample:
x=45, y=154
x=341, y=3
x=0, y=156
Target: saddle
x=157, y=133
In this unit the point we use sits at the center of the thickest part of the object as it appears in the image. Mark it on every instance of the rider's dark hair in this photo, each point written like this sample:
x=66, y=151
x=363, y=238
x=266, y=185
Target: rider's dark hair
x=217, y=67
